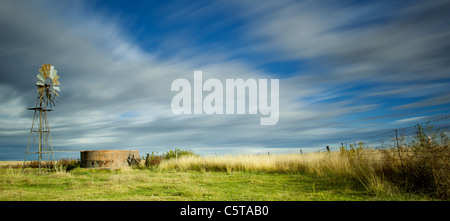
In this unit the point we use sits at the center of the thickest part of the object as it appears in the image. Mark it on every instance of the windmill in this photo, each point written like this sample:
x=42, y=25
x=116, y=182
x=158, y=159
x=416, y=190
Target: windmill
x=39, y=141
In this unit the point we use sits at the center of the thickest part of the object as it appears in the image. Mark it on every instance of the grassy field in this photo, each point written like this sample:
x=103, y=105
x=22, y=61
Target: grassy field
x=346, y=175
x=133, y=184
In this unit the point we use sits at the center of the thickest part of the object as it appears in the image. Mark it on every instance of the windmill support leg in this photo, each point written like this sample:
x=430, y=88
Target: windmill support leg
x=43, y=141
x=29, y=143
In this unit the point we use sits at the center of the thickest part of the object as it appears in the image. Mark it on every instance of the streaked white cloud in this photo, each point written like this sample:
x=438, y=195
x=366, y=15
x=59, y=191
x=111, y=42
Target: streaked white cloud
x=411, y=119
x=116, y=94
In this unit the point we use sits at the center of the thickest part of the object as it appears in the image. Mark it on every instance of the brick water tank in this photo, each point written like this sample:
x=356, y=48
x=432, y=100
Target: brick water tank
x=108, y=159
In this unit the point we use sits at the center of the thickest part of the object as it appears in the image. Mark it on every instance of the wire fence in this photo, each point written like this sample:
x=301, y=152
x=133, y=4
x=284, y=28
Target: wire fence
x=420, y=151
x=416, y=157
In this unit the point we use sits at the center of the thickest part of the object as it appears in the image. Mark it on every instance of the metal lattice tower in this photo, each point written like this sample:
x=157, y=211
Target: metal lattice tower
x=40, y=141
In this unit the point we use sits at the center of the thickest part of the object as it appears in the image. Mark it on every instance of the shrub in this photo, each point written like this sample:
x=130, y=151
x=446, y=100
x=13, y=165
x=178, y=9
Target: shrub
x=155, y=159
x=423, y=165
x=67, y=163
x=152, y=160
x=427, y=170
x=177, y=153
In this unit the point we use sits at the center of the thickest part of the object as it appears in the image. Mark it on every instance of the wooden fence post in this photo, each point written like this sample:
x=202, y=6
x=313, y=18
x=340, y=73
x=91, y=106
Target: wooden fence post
x=398, y=149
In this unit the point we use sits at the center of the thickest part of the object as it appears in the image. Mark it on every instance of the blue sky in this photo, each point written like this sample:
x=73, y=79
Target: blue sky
x=347, y=69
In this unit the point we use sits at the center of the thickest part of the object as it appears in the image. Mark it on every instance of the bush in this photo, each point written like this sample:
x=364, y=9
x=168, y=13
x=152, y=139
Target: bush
x=177, y=153
x=155, y=159
x=152, y=160
x=66, y=163
x=69, y=163
x=427, y=170
x=423, y=166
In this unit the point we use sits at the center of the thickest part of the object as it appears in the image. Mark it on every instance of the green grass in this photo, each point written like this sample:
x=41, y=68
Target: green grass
x=168, y=185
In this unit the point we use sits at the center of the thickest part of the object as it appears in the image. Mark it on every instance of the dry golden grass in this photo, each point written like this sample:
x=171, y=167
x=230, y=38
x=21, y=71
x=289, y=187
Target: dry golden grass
x=10, y=163
x=379, y=171
x=362, y=166
x=317, y=163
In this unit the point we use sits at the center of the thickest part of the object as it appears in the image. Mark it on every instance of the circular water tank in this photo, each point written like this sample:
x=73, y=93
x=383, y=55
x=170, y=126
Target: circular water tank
x=108, y=159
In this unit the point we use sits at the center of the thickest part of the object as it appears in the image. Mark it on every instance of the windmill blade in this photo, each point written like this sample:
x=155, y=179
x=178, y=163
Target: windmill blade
x=53, y=73
x=45, y=68
x=55, y=92
x=56, y=82
x=56, y=88
x=52, y=68
x=40, y=83
x=48, y=68
x=40, y=77
x=55, y=79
